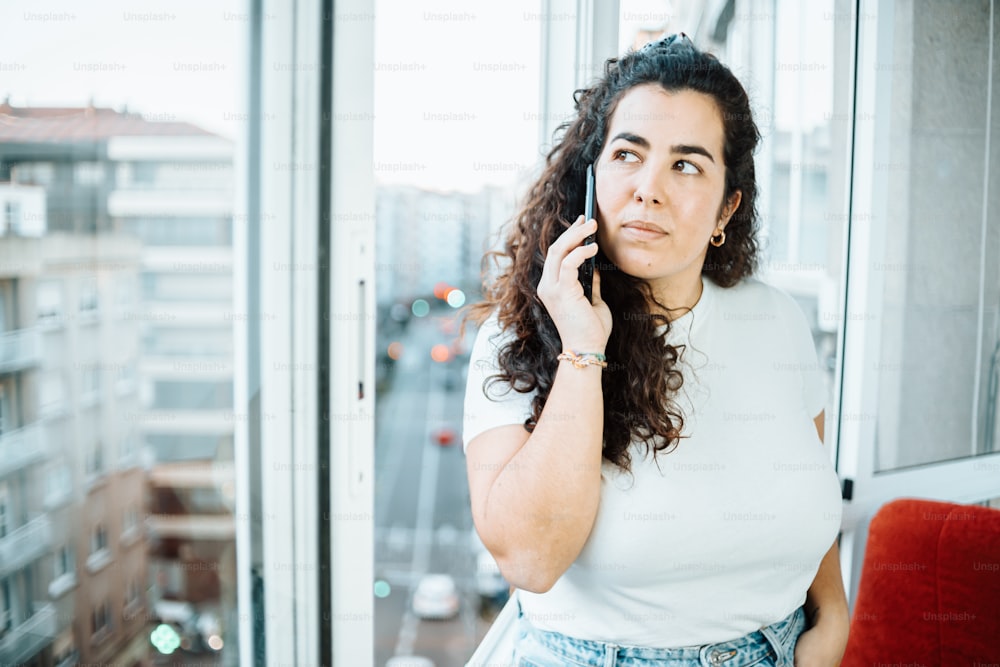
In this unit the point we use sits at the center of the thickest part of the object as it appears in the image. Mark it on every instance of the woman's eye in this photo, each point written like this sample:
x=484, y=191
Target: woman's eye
x=625, y=156
x=686, y=167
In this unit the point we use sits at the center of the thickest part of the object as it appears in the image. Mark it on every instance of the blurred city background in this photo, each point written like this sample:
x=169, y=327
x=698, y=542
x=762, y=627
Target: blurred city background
x=117, y=218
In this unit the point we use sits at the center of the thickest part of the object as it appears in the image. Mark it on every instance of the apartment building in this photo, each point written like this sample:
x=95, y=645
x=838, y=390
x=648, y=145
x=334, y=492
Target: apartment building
x=117, y=252
x=72, y=556
x=425, y=237
x=30, y=620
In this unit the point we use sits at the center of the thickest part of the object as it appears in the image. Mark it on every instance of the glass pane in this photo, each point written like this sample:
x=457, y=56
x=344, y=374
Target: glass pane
x=116, y=388
x=456, y=132
x=783, y=53
x=939, y=361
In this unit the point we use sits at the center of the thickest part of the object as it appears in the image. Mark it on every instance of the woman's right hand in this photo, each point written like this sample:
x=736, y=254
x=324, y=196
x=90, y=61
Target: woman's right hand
x=583, y=327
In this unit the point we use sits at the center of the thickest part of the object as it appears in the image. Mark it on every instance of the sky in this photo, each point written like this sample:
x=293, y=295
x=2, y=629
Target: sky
x=457, y=89
x=173, y=60
x=455, y=83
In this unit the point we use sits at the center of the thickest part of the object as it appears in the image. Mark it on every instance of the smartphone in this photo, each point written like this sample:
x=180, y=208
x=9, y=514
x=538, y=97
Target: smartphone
x=587, y=268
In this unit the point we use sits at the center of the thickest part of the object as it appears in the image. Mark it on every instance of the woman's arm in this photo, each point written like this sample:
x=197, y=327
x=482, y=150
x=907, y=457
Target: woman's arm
x=535, y=496
x=826, y=609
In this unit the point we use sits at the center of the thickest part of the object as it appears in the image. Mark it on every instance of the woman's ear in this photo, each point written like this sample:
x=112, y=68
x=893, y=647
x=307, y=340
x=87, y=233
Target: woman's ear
x=730, y=206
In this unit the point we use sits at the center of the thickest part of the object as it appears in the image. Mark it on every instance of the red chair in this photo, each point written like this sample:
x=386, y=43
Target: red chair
x=930, y=587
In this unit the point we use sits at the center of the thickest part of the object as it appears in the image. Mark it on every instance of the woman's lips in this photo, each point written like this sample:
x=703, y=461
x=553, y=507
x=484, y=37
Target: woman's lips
x=643, y=231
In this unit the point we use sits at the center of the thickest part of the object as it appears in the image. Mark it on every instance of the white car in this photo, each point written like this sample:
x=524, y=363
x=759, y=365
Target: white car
x=489, y=582
x=436, y=597
x=175, y=611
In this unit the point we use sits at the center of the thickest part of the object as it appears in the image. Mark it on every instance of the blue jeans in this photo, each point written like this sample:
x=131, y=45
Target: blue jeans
x=771, y=646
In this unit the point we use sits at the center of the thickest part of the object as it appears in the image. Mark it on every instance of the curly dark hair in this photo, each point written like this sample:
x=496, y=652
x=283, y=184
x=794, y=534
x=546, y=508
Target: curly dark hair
x=643, y=376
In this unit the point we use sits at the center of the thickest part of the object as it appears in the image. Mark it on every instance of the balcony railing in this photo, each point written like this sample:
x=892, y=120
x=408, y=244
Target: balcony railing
x=19, y=350
x=26, y=640
x=192, y=526
x=20, y=448
x=25, y=544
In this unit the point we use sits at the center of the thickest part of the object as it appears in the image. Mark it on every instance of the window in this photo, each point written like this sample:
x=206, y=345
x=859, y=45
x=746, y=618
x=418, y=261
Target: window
x=147, y=190
x=126, y=377
x=124, y=296
x=188, y=446
x=187, y=287
x=130, y=519
x=88, y=174
x=64, y=561
x=52, y=393
x=90, y=383
x=64, y=572
x=131, y=599
x=88, y=301
x=101, y=621
x=95, y=459
x=11, y=218
x=100, y=555
x=435, y=216
x=4, y=508
x=176, y=395
x=177, y=231
x=938, y=287
x=6, y=606
x=205, y=347
x=49, y=303
x=206, y=501
x=98, y=539
x=185, y=176
x=33, y=173
x=58, y=485
x=131, y=592
x=143, y=173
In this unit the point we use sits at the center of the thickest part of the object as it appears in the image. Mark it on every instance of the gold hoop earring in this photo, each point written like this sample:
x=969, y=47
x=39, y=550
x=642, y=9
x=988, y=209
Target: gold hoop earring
x=718, y=239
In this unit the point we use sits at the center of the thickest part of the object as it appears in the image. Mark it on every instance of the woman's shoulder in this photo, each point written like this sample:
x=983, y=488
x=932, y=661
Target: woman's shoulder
x=491, y=335
x=490, y=325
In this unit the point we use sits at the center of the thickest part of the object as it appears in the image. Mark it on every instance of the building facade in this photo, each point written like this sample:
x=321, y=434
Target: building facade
x=115, y=307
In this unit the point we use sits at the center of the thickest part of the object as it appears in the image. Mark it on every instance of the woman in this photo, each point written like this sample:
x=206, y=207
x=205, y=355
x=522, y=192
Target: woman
x=647, y=468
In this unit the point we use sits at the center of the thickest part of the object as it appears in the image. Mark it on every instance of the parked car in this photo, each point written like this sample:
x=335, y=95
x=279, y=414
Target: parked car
x=199, y=631
x=444, y=436
x=436, y=597
x=209, y=631
x=489, y=582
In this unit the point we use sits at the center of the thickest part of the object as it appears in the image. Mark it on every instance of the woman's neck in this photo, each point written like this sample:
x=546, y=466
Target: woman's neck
x=678, y=299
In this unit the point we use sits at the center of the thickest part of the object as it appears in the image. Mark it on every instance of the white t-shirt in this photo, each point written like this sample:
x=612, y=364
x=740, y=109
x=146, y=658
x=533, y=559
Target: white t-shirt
x=724, y=534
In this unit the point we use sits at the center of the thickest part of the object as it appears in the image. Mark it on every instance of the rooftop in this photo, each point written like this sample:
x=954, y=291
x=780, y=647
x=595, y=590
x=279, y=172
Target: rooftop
x=90, y=123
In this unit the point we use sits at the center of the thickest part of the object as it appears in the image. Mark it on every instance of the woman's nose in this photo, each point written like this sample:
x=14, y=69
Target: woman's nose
x=644, y=196
x=649, y=188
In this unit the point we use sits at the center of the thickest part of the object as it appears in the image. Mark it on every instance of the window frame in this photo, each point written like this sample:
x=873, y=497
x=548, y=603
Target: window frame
x=294, y=474
x=968, y=480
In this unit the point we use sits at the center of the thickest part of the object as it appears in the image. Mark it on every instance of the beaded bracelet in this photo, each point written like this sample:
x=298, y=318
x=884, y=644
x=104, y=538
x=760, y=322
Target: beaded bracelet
x=584, y=359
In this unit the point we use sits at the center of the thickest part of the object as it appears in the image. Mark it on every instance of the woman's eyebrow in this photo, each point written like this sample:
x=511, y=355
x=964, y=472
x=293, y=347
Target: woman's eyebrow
x=680, y=149
x=685, y=149
x=632, y=139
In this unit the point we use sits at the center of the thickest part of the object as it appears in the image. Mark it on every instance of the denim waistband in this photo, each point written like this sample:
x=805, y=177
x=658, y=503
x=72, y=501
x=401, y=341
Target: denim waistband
x=776, y=640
